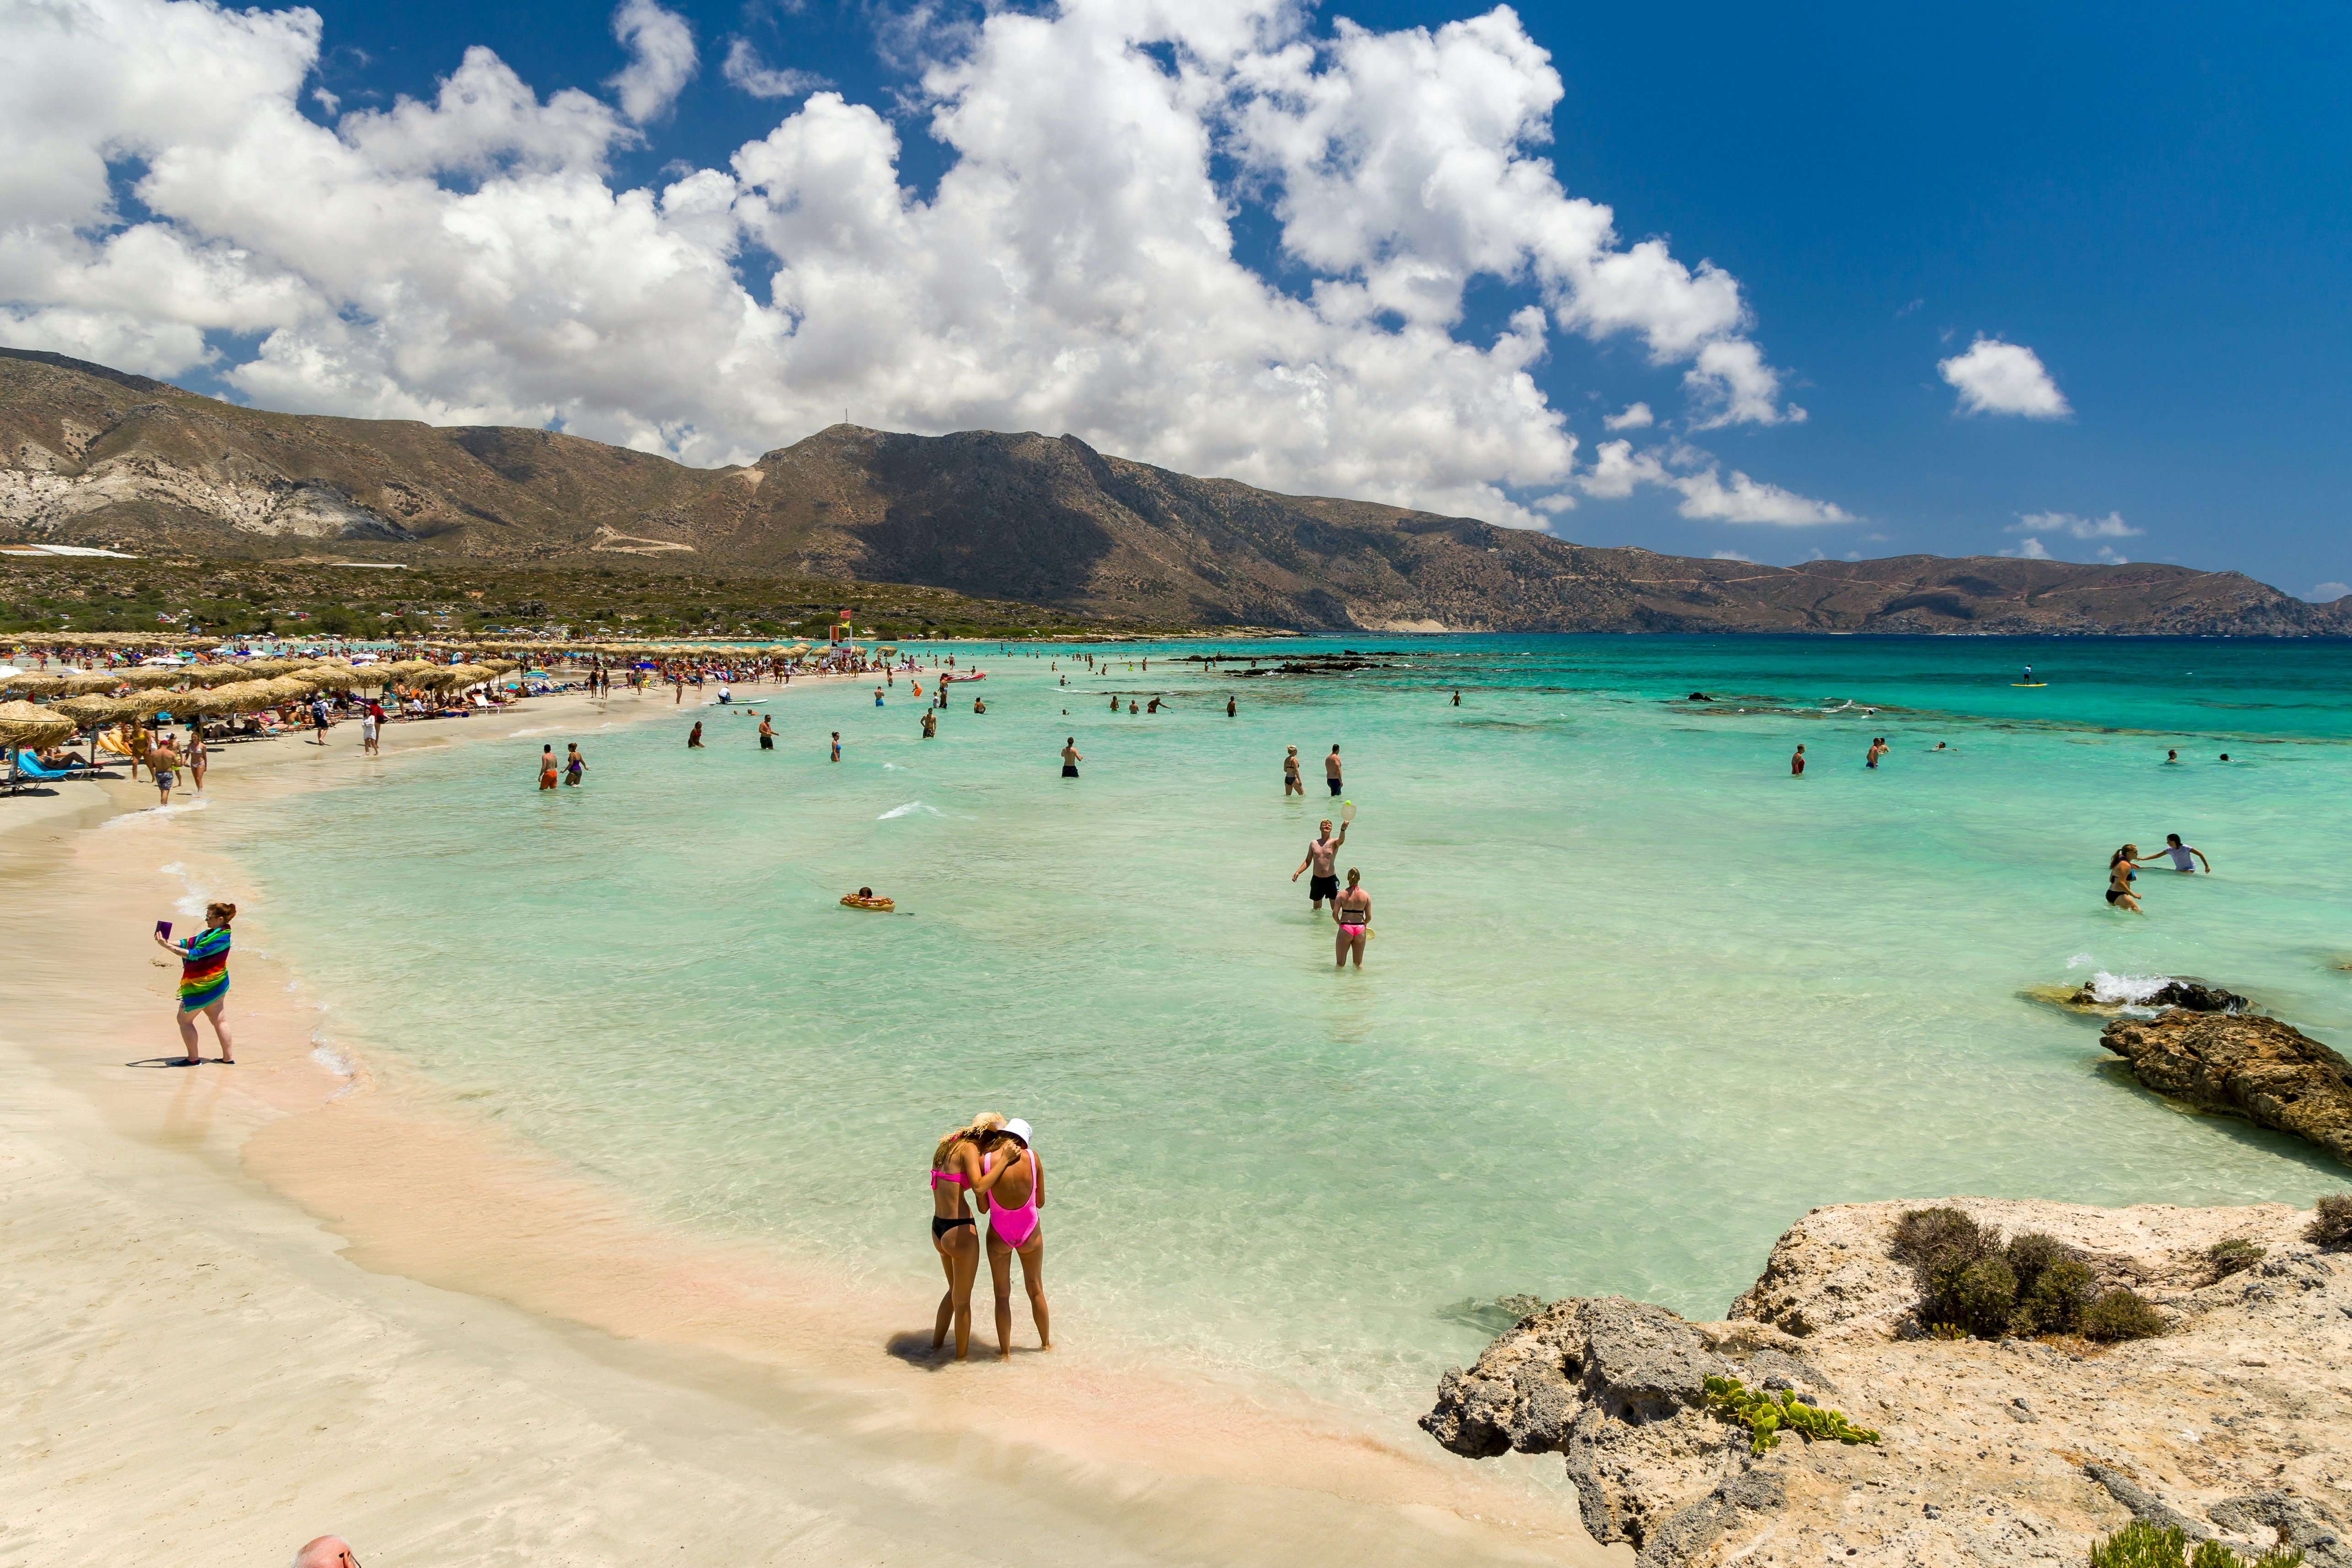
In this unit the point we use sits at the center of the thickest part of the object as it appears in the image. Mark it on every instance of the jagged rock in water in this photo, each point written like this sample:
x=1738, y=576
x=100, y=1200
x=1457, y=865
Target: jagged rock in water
x=2271, y=1073
x=2189, y=995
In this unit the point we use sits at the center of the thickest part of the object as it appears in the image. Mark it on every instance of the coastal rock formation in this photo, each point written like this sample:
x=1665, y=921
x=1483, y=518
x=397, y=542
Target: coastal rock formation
x=94, y=456
x=2233, y=1425
x=2271, y=1073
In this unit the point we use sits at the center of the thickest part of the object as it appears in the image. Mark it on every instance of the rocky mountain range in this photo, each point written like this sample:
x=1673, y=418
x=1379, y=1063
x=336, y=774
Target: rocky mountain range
x=91, y=455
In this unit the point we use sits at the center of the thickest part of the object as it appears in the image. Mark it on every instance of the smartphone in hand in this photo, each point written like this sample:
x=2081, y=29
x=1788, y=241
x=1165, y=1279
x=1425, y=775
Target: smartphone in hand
x=163, y=929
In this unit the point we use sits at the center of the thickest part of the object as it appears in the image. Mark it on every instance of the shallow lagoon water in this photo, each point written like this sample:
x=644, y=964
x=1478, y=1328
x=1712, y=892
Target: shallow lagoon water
x=1638, y=999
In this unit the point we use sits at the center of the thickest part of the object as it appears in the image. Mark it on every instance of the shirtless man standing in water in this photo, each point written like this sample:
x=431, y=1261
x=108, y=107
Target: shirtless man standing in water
x=1319, y=855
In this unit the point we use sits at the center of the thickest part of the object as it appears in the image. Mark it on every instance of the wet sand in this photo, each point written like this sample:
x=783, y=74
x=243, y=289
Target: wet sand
x=307, y=1293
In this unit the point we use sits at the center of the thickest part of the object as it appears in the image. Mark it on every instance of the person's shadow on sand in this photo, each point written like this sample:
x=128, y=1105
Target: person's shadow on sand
x=163, y=1061
x=914, y=1348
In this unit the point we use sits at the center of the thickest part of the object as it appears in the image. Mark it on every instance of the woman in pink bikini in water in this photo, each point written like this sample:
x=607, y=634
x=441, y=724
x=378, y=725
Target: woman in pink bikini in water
x=956, y=1170
x=1015, y=1189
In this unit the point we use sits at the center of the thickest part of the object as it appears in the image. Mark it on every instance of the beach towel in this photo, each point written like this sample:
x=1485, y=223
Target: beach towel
x=204, y=972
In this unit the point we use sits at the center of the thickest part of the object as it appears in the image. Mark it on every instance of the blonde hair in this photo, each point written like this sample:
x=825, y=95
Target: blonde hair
x=225, y=912
x=986, y=1122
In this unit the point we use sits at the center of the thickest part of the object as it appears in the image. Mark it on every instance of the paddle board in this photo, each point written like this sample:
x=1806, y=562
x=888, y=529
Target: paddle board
x=2026, y=684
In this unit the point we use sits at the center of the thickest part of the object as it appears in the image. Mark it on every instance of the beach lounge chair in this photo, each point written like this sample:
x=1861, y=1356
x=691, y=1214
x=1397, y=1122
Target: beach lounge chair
x=27, y=767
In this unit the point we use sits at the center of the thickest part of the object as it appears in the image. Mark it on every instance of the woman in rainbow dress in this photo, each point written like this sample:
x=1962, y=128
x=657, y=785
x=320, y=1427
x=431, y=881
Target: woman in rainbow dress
x=204, y=980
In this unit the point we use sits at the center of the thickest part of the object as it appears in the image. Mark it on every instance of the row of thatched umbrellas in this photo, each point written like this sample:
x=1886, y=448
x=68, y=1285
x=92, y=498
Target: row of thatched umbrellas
x=221, y=690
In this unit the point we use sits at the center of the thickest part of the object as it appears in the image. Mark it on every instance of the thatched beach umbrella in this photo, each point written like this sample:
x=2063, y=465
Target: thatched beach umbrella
x=242, y=696
x=27, y=723
x=83, y=683
x=33, y=682
x=90, y=712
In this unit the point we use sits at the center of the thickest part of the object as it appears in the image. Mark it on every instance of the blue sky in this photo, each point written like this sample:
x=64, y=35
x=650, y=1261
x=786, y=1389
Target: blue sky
x=2153, y=200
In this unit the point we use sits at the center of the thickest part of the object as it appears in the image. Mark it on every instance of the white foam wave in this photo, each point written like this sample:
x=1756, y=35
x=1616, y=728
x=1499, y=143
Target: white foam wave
x=2125, y=990
x=153, y=812
x=193, y=904
x=909, y=809
x=550, y=729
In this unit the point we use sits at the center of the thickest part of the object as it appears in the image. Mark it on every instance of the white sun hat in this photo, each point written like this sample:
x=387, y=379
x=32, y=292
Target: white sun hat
x=1019, y=1129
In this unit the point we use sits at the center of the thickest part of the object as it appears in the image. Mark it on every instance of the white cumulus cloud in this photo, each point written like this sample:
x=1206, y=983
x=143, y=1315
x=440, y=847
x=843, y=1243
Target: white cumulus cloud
x=1635, y=416
x=1994, y=377
x=2327, y=592
x=1618, y=470
x=743, y=68
x=2029, y=549
x=2111, y=527
x=470, y=258
x=661, y=59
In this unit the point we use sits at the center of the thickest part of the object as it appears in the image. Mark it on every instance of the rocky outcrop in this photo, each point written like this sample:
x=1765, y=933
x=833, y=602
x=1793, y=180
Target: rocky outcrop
x=1618, y=1388
x=2272, y=1074
x=2191, y=996
x=2233, y=1425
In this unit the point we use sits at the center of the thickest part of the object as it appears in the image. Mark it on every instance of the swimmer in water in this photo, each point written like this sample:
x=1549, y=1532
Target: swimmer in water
x=2172, y=757
x=1878, y=748
x=2180, y=854
x=837, y=746
x=1939, y=746
x=1457, y=696
x=694, y=740
x=1291, y=783
x=1797, y=764
x=1319, y=855
x=2120, y=876
x=1229, y=708
x=1352, y=913
x=1070, y=758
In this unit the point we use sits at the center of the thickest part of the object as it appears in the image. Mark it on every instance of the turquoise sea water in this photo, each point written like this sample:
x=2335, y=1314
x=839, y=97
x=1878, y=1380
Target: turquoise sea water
x=1638, y=999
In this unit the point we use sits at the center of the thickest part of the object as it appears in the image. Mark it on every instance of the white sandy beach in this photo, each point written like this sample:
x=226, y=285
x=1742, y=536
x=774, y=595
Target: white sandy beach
x=247, y=1305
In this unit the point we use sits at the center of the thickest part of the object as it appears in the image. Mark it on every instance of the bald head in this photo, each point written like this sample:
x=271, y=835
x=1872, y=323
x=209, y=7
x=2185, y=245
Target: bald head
x=327, y=1552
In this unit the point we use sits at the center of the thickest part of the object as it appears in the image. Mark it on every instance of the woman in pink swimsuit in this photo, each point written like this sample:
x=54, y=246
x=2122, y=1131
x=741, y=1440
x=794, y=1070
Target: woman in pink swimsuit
x=956, y=1170
x=1353, y=912
x=1016, y=1191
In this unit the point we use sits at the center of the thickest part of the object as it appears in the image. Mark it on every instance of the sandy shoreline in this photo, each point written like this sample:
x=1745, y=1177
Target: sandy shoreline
x=250, y=1304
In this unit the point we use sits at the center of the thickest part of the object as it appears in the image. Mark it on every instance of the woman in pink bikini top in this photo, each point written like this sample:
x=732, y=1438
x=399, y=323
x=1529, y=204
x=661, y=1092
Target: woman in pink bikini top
x=956, y=1170
x=1014, y=1181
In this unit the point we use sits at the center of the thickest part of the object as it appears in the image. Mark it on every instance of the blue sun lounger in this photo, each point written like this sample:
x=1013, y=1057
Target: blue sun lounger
x=28, y=767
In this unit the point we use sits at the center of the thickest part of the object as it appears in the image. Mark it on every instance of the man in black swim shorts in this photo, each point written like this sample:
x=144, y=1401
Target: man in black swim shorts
x=1325, y=884
x=1331, y=770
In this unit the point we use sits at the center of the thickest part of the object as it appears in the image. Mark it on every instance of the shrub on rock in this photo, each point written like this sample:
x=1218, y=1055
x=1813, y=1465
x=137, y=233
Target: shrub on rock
x=2120, y=1314
x=2234, y=1256
x=2140, y=1544
x=2331, y=1229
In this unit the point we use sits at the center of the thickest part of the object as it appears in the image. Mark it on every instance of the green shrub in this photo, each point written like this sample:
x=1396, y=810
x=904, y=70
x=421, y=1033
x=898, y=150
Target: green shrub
x=1765, y=1413
x=1971, y=1284
x=2120, y=1314
x=1985, y=1293
x=2140, y=1544
x=1942, y=1244
x=2331, y=1229
x=2234, y=1256
x=2054, y=1304
x=1934, y=1239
